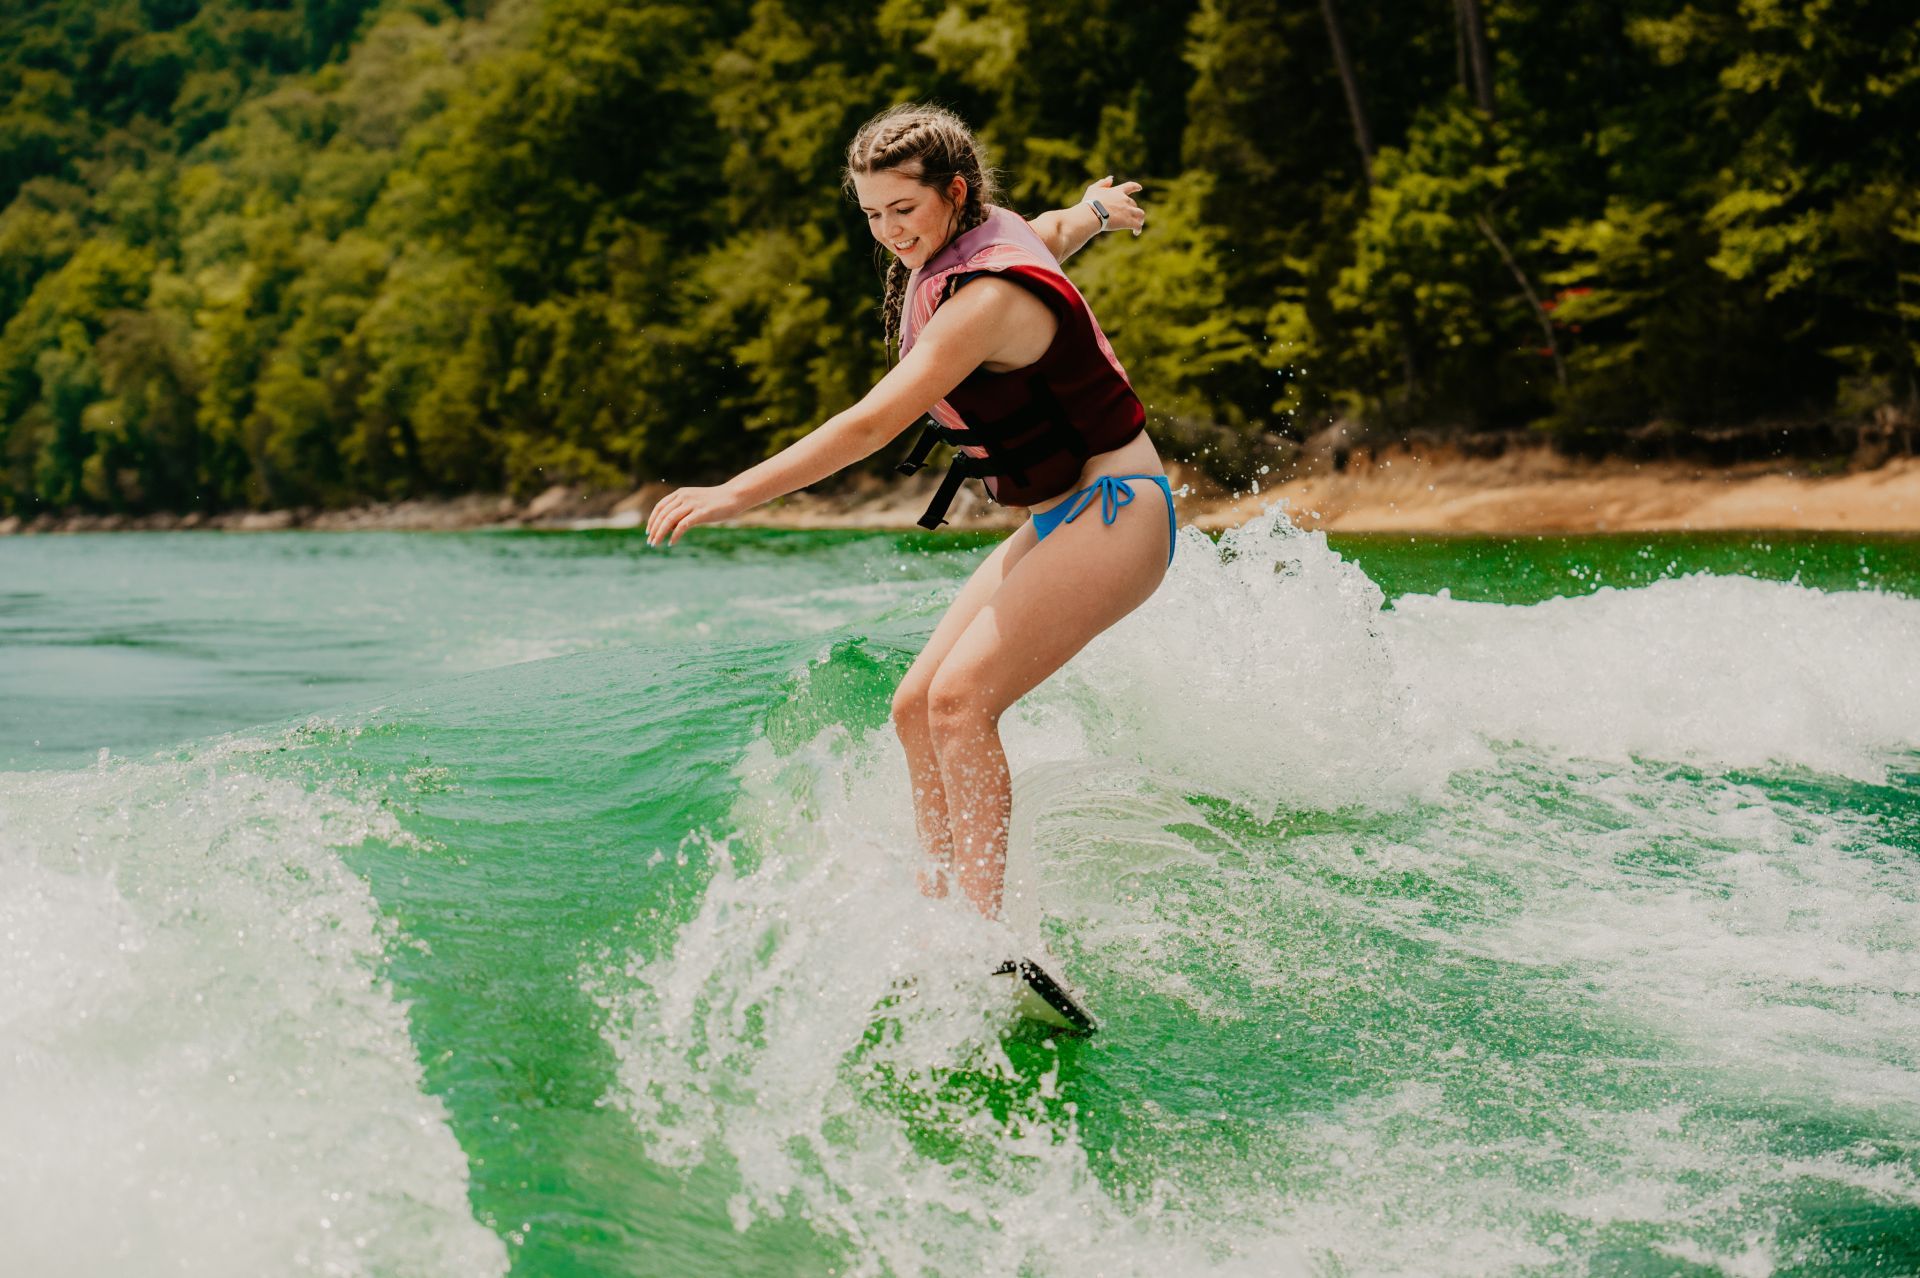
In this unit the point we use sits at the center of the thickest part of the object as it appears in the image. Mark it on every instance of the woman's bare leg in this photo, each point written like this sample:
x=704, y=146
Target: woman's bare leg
x=910, y=708
x=1083, y=578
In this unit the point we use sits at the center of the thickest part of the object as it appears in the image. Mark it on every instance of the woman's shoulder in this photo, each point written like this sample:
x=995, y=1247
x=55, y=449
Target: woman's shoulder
x=1007, y=242
x=1003, y=247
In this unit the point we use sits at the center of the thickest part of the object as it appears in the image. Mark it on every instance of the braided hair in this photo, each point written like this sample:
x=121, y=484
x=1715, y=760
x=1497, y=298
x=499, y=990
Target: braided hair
x=933, y=146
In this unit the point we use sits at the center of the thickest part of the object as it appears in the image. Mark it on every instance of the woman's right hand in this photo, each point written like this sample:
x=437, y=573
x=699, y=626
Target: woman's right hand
x=682, y=508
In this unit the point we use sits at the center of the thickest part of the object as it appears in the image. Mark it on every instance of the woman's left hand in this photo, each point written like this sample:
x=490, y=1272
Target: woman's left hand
x=682, y=508
x=1119, y=203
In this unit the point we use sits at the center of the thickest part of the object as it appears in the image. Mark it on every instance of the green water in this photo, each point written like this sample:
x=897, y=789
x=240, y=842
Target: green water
x=451, y=904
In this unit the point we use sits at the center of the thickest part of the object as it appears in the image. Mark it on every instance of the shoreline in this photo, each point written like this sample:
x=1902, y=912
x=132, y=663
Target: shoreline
x=1435, y=491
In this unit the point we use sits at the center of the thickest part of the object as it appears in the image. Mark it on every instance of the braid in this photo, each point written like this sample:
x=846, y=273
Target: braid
x=893, y=302
x=934, y=146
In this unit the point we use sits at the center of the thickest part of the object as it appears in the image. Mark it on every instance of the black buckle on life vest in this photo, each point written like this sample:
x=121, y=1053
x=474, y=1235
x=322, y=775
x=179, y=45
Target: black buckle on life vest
x=936, y=511
x=916, y=456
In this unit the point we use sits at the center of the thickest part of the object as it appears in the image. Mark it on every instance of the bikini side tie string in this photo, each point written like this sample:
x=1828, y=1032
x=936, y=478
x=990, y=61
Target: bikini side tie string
x=1114, y=494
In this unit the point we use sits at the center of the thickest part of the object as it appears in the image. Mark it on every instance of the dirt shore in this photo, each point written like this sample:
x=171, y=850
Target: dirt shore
x=1538, y=491
x=1524, y=490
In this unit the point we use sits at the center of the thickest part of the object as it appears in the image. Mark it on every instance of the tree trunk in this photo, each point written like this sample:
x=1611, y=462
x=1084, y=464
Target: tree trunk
x=1526, y=288
x=1362, y=137
x=1903, y=310
x=1473, y=31
x=1363, y=142
x=1460, y=51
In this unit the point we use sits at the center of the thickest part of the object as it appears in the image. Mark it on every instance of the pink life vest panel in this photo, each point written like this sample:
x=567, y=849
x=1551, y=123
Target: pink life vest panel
x=1026, y=433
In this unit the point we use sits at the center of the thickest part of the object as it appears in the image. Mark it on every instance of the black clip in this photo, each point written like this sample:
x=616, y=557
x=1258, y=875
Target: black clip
x=917, y=455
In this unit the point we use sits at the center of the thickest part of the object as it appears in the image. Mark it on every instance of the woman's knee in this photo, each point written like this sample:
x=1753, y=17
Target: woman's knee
x=955, y=702
x=910, y=702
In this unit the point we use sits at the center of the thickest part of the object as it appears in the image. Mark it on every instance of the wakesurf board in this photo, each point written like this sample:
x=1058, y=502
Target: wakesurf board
x=1038, y=997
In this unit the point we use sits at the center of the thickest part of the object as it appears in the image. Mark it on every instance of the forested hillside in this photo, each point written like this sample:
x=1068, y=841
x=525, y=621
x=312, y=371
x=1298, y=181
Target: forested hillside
x=324, y=251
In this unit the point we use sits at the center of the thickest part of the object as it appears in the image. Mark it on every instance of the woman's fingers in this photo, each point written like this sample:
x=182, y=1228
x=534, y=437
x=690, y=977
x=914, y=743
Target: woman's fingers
x=687, y=508
x=1125, y=211
x=680, y=514
x=681, y=509
x=660, y=518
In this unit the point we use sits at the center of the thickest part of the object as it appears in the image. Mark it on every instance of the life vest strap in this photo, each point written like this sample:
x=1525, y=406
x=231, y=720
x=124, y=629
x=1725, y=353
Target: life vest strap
x=936, y=512
x=917, y=455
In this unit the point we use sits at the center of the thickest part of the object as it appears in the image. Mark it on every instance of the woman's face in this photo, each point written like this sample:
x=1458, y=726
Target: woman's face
x=910, y=219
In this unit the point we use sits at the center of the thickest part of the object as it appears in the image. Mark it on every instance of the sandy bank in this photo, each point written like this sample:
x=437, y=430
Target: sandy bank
x=1535, y=490
x=1523, y=491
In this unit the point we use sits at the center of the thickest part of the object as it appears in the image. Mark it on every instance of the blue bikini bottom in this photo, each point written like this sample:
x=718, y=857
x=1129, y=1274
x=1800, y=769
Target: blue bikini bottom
x=1114, y=494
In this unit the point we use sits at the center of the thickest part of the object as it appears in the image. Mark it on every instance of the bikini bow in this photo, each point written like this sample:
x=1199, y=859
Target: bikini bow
x=1113, y=492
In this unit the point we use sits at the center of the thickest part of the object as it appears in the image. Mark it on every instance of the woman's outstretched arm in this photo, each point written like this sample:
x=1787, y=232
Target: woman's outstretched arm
x=1066, y=231
x=968, y=330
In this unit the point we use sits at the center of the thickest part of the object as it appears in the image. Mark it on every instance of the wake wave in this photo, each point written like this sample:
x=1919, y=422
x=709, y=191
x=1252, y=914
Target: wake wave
x=1447, y=939
x=202, y=1070
x=1266, y=670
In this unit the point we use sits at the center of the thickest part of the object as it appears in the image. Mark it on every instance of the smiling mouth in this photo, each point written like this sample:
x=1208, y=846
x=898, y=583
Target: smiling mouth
x=901, y=248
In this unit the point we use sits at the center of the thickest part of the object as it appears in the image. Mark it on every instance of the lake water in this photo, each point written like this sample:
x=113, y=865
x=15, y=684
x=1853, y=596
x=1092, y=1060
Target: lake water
x=450, y=904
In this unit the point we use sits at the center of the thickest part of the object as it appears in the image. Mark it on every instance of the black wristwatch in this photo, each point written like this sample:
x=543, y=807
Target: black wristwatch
x=1101, y=209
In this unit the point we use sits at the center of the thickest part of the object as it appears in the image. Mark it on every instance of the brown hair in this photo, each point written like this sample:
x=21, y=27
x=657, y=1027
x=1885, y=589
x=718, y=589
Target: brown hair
x=933, y=146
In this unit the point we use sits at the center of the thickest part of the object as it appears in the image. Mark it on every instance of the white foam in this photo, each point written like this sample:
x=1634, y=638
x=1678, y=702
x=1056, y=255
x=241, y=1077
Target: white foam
x=1260, y=671
x=1266, y=670
x=202, y=1070
x=1726, y=672
x=1778, y=947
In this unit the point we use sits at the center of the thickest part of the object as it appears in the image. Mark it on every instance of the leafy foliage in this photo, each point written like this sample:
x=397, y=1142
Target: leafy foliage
x=321, y=251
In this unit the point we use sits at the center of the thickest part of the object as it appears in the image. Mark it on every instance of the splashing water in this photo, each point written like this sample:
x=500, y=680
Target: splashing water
x=1449, y=939
x=203, y=1071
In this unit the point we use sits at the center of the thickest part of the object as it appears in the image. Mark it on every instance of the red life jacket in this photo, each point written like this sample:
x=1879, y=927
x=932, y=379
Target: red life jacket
x=1027, y=432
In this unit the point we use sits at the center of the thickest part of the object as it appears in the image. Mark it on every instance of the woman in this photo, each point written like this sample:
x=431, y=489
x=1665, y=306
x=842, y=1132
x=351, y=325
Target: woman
x=1002, y=350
